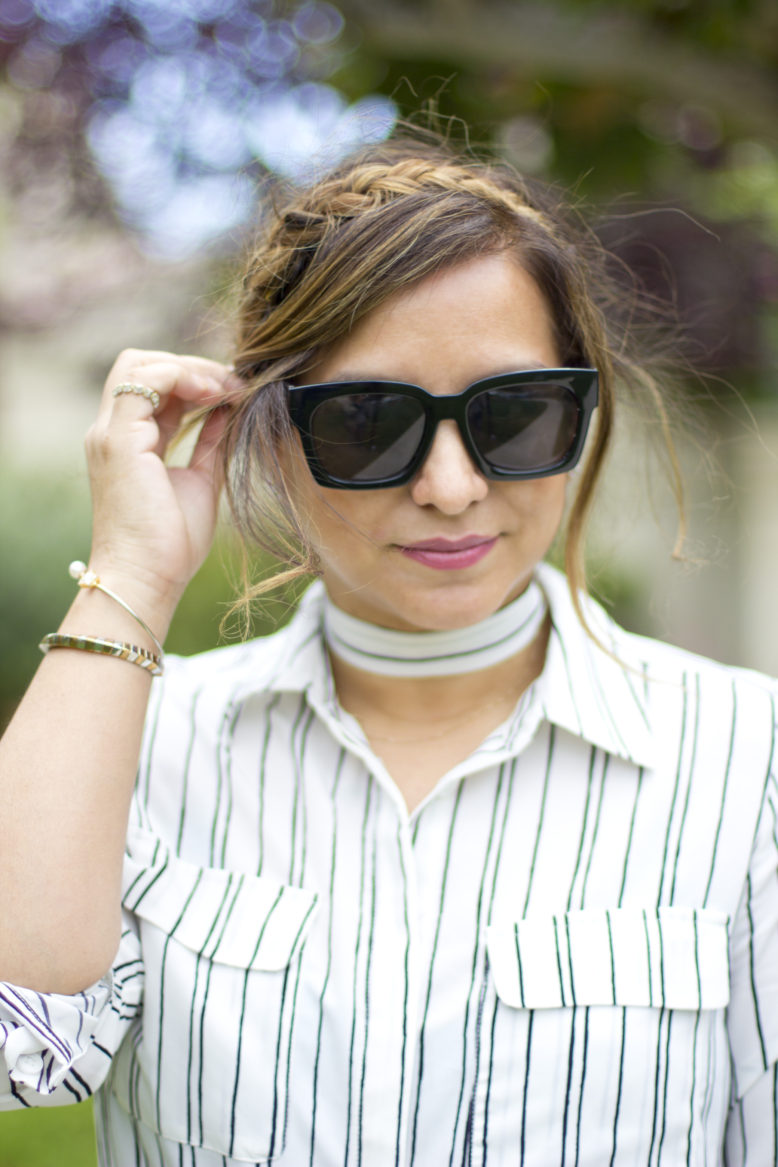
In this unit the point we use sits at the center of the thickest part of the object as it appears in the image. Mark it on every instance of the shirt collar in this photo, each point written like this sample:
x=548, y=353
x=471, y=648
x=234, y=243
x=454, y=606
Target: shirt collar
x=599, y=695
x=582, y=689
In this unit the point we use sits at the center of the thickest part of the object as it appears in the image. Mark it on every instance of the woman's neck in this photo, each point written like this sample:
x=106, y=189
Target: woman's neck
x=426, y=701
x=422, y=725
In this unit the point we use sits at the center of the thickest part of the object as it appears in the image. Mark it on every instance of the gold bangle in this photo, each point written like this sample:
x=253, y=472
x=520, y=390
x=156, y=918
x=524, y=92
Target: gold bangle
x=117, y=648
x=89, y=579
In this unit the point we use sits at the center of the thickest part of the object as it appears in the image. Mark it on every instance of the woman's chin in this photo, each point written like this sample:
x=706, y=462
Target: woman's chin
x=439, y=610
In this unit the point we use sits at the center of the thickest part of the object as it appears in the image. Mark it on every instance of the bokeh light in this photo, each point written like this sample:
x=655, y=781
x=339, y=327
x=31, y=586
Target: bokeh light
x=189, y=103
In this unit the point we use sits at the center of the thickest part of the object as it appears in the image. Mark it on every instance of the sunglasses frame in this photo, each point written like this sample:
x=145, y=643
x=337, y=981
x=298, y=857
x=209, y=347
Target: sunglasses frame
x=303, y=400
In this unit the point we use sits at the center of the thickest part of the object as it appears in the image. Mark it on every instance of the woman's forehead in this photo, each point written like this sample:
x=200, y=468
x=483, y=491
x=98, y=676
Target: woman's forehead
x=479, y=318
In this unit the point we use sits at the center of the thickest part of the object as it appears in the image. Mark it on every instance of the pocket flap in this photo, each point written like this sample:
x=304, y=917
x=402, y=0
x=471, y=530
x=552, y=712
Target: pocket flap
x=669, y=956
x=230, y=917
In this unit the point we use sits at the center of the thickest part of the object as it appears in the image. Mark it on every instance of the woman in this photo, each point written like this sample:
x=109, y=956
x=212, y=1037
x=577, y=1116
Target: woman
x=451, y=869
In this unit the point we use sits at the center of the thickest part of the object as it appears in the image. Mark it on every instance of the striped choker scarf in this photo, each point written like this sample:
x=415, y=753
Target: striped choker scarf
x=435, y=654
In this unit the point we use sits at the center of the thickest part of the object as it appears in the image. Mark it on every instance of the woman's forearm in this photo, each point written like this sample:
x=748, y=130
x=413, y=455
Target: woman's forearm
x=67, y=766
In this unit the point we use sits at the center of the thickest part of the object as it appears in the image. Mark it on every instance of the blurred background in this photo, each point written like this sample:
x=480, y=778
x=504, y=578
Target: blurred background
x=133, y=134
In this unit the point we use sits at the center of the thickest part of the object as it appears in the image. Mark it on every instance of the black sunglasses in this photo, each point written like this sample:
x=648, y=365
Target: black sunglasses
x=363, y=435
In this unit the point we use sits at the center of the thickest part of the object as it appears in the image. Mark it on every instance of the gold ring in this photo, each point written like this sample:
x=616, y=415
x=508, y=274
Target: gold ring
x=139, y=391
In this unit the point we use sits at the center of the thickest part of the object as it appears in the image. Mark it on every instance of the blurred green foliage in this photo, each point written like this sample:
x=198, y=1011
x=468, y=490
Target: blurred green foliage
x=44, y=524
x=61, y=1136
x=45, y=527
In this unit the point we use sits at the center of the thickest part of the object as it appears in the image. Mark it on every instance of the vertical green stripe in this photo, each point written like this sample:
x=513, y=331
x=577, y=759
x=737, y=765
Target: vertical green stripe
x=488, y=1099
x=406, y=990
x=190, y=1047
x=542, y=816
x=657, y=1077
x=228, y=782
x=203, y=1009
x=525, y=1091
x=361, y=899
x=663, y=1131
x=570, y=685
x=582, y=1085
x=693, y=1091
x=478, y=947
x=595, y=832
x=612, y=959
x=570, y=957
x=224, y=730
x=572, y=1016
x=301, y=768
x=648, y=958
x=163, y=962
x=277, y=1061
x=185, y=775
x=619, y=1088
x=723, y=795
x=625, y=868
x=630, y=835
x=282, y=1069
x=678, y=770
x=271, y=709
x=555, y=922
x=697, y=958
x=444, y=882
x=296, y=796
x=328, y=967
x=689, y=781
x=368, y=970
x=594, y=681
x=752, y=973
x=519, y=965
x=593, y=753
x=239, y=1052
x=295, y=953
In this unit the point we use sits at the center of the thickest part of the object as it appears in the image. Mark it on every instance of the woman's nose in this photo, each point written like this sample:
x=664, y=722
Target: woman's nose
x=448, y=478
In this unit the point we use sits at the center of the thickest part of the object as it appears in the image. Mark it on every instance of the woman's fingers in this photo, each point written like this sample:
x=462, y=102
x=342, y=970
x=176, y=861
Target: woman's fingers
x=143, y=510
x=158, y=388
x=181, y=382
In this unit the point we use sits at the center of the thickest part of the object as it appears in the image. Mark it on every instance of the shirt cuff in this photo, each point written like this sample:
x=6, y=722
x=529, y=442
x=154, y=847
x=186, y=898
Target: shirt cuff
x=43, y=1034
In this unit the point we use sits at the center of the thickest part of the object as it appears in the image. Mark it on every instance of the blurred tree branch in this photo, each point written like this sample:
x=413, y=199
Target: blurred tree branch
x=583, y=45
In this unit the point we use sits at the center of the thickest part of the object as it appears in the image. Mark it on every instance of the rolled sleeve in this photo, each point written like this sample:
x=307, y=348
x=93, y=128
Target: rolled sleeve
x=58, y=1049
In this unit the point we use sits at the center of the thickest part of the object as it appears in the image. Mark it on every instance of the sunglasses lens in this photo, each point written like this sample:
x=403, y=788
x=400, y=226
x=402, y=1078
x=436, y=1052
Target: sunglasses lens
x=527, y=428
x=366, y=437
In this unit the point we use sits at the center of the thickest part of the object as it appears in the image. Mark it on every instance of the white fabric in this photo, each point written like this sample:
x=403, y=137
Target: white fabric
x=567, y=954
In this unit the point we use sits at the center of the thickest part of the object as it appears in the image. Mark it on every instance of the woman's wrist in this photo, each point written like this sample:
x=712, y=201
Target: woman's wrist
x=138, y=609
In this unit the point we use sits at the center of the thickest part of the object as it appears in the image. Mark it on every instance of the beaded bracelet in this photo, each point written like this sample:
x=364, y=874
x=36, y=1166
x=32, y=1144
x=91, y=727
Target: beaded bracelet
x=117, y=648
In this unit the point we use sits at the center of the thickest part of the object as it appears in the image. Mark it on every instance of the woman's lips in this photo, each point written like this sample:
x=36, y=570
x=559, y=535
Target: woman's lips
x=450, y=554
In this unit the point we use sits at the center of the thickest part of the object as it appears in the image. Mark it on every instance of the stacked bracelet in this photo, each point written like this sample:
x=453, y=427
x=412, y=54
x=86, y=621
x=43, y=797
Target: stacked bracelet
x=88, y=579
x=118, y=648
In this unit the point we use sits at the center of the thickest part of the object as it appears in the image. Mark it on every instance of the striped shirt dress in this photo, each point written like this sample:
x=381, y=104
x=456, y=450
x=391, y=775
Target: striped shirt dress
x=567, y=954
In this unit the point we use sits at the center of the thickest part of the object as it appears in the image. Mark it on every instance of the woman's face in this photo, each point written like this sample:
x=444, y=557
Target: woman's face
x=450, y=547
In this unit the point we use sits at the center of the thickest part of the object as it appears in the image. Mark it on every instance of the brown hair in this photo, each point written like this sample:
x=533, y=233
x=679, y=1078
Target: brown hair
x=385, y=218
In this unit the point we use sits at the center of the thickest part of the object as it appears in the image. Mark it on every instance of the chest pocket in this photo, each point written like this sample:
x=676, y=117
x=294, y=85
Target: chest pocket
x=221, y=952
x=670, y=957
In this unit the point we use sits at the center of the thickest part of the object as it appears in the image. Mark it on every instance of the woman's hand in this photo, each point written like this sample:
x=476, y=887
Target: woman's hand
x=153, y=524
x=81, y=721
